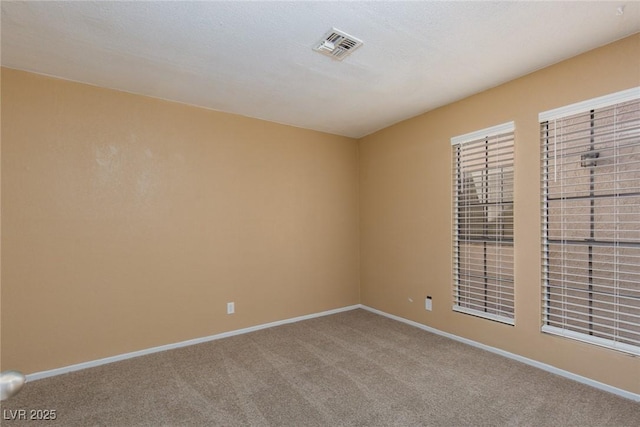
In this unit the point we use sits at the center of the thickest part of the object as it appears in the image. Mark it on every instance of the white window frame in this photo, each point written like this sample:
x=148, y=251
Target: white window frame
x=566, y=326
x=466, y=288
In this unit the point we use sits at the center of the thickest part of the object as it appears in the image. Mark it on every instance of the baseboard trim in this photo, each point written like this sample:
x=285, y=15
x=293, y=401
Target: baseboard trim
x=93, y=363
x=549, y=368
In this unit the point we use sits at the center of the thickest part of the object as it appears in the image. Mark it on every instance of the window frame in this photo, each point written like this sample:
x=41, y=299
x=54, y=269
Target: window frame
x=548, y=326
x=460, y=202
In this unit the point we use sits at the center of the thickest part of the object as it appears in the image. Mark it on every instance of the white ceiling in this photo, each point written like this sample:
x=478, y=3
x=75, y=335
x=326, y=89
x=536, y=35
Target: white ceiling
x=256, y=58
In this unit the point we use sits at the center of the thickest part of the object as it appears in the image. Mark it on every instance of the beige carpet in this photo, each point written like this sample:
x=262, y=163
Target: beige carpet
x=350, y=369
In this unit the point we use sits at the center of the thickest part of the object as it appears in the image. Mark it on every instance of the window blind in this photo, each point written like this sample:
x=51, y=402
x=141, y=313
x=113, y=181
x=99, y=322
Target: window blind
x=591, y=221
x=483, y=223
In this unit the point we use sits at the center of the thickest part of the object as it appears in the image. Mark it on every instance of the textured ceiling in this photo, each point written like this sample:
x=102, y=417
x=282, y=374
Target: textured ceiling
x=256, y=58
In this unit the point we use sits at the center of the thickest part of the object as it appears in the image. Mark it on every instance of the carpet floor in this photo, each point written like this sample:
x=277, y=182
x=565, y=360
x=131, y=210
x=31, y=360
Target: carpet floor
x=349, y=369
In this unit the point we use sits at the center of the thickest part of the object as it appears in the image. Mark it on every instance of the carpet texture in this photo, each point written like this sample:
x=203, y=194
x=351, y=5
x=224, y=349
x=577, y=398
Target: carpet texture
x=349, y=369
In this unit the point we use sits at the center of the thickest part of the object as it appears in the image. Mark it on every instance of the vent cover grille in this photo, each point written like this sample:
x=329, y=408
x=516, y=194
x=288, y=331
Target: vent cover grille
x=337, y=44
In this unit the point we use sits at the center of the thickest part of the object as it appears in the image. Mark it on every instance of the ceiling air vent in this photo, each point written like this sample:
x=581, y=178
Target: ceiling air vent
x=337, y=44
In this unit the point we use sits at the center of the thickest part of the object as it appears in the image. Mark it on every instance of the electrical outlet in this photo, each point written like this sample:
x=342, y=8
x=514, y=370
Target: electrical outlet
x=231, y=307
x=427, y=304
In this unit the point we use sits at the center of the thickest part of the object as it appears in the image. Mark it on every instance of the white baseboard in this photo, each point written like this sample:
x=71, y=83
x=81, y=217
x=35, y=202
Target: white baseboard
x=531, y=362
x=549, y=368
x=93, y=363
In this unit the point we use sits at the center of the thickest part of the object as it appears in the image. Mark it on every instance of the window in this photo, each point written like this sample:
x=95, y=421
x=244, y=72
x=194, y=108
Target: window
x=483, y=223
x=591, y=221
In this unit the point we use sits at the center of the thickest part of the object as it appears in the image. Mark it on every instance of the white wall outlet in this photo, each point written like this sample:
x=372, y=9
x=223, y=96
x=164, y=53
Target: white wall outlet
x=231, y=307
x=427, y=304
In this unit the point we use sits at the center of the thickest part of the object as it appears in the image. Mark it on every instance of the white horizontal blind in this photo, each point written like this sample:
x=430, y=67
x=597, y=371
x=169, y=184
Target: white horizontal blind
x=483, y=223
x=591, y=223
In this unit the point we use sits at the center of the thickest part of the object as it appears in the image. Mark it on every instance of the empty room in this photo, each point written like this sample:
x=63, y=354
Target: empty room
x=317, y=213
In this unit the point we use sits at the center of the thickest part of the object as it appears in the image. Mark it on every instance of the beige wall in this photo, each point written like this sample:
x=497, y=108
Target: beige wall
x=129, y=222
x=405, y=204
